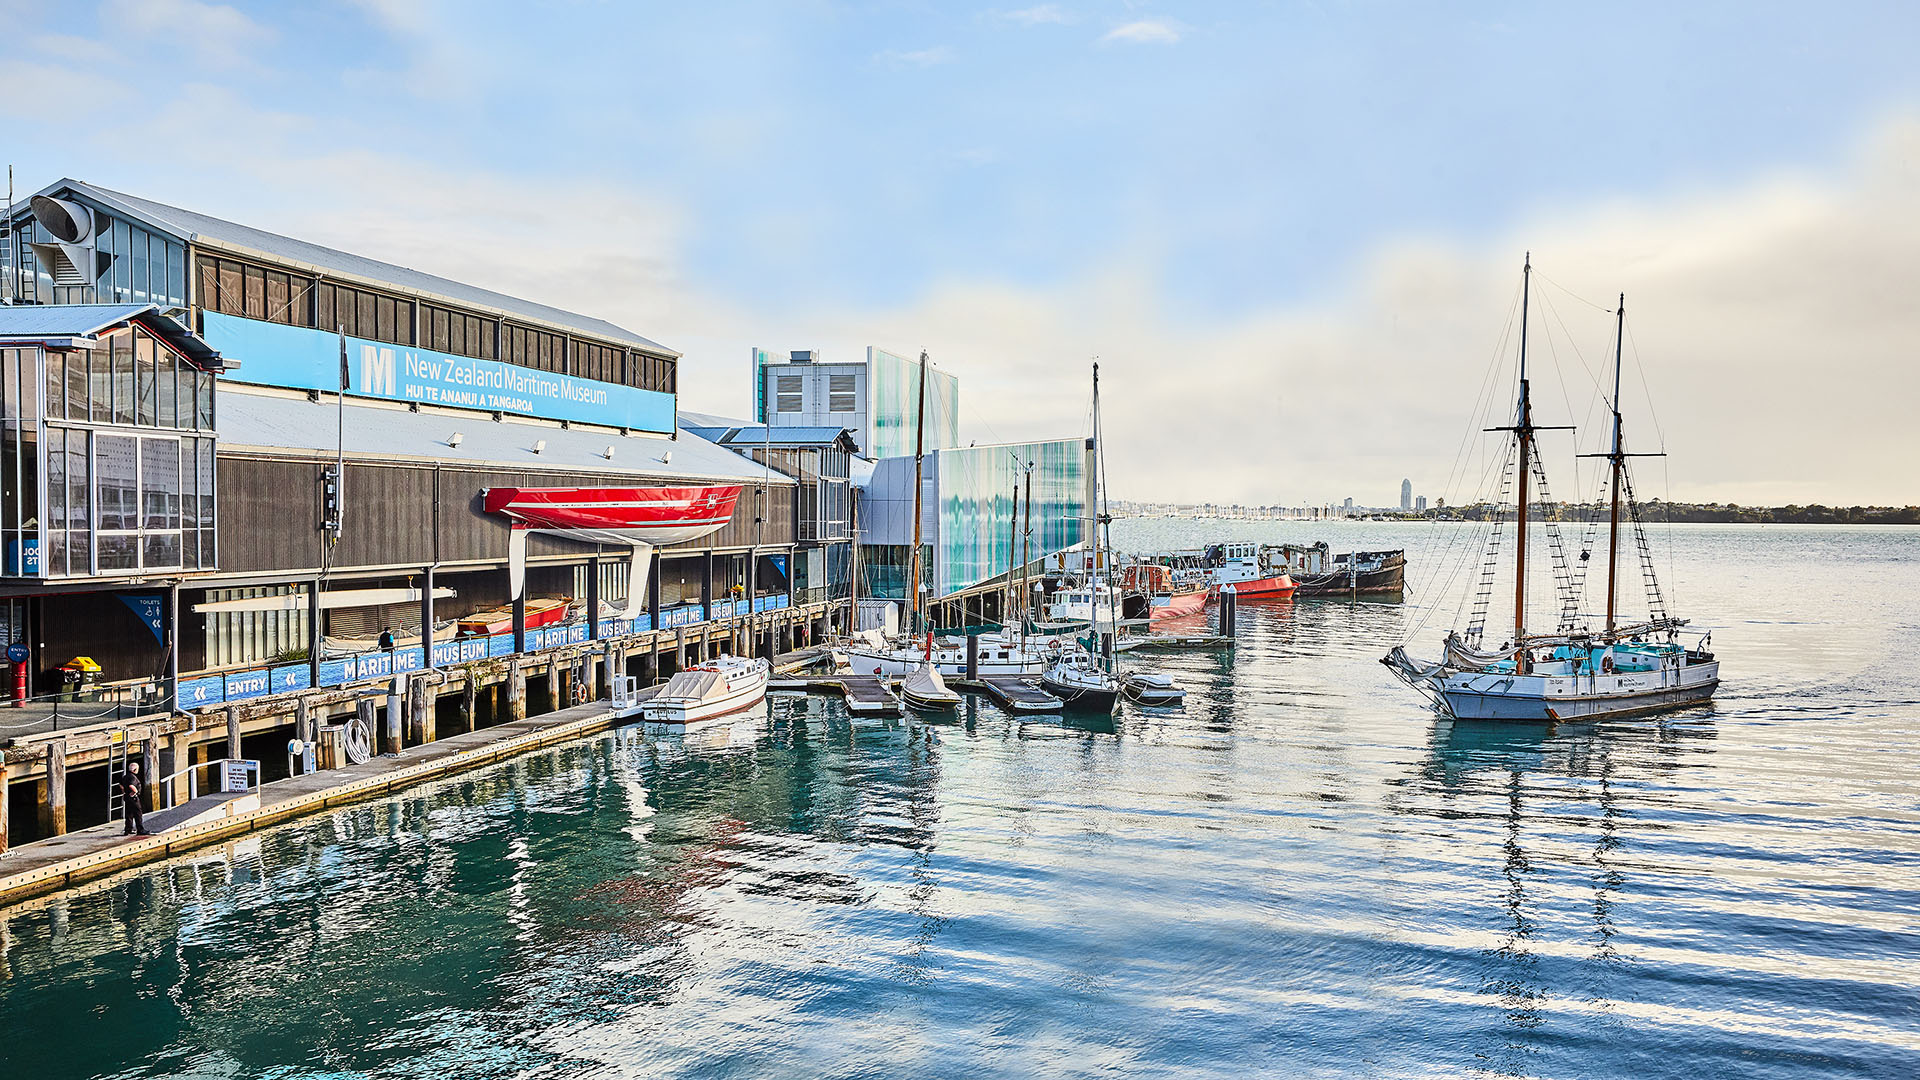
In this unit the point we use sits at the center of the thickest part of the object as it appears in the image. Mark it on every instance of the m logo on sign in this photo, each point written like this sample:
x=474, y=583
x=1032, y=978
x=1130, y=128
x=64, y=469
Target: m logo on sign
x=377, y=371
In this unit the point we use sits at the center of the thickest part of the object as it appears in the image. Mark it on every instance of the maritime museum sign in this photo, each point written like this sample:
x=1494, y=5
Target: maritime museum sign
x=271, y=354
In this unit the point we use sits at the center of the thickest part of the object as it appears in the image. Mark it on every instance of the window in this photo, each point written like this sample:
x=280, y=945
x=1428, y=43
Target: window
x=236, y=288
x=840, y=393
x=534, y=348
x=363, y=314
x=139, y=486
x=786, y=393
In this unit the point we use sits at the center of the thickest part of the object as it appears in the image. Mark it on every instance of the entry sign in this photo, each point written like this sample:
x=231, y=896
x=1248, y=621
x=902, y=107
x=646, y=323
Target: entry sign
x=17, y=652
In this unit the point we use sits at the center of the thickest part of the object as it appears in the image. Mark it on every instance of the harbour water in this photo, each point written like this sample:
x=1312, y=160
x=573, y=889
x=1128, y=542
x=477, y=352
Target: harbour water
x=1299, y=873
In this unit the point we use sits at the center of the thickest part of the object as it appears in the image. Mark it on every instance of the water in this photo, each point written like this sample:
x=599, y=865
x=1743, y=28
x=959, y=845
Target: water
x=1300, y=873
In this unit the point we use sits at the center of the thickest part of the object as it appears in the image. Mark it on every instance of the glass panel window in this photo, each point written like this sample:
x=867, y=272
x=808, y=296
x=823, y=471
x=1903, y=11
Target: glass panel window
x=79, y=552
x=165, y=374
x=256, y=294
x=122, y=265
x=56, y=479
x=162, y=550
x=119, y=551
x=123, y=379
x=137, y=260
x=145, y=370
x=116, y=490
x=10, y=381
x=56, y=383
x=176, y=273
x=204, y=485
x=53, y=562
x=323, y=306
x=78, y=487
x=159, y=484
x=203, y=400
x=278, y=298
x=77, y=362
x=232, y=288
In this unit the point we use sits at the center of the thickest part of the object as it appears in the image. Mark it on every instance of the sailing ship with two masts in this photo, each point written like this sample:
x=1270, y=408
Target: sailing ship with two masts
x=1572, y=672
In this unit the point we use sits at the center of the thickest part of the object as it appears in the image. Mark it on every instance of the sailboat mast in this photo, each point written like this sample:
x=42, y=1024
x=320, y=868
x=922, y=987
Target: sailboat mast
x=1094, y=510
x=1619, y=461
x=1523, y=428
x=1026, y=554
x=919, y=453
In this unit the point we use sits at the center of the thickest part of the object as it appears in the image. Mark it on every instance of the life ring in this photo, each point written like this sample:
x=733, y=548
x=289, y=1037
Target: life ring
x=1053, y=643
x=1606, y=665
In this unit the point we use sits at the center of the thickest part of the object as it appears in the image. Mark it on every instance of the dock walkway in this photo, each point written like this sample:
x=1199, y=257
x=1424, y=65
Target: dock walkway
x=72, y=858
x=1012, y=693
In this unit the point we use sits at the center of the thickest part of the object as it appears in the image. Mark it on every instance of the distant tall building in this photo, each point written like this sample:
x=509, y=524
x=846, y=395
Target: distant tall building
x=1420, y=504
x=1406, y=495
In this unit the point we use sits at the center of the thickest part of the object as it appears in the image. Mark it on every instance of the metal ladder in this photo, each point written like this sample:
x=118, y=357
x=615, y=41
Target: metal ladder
x=116, y=771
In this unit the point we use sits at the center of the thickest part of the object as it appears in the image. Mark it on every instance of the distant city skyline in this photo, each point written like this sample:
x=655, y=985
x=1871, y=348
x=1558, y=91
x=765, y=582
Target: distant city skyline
x=1292, y=233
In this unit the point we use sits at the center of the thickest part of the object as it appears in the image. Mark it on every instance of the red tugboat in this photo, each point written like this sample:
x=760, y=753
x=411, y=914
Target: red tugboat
x=1244, y=567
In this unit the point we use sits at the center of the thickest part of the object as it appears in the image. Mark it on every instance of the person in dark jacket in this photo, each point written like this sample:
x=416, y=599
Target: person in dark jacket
x=130, y=791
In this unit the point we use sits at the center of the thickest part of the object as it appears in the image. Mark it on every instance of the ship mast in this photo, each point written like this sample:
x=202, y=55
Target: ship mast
x=919, y=452
x=1523, y=429
x=1619, y=462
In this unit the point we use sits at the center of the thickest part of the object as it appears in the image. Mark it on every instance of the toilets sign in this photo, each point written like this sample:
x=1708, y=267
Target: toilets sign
x=294, y=356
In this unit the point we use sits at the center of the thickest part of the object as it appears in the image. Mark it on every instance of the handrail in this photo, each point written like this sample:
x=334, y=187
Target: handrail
x=192, y=773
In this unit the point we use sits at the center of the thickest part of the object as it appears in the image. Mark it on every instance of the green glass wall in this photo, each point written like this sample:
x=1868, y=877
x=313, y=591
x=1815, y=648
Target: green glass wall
x=893, y=389
x=976, y=535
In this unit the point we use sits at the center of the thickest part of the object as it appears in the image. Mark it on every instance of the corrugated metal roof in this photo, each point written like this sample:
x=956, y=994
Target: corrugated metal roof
x=64, y=320
x=751, y=435
x=271, y=421
x=41, y=321
x=197, y=227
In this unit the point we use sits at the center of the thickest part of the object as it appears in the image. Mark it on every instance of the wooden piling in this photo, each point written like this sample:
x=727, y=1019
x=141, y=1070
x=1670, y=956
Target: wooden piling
x=421, y=694
x=233, y=733
x=150, y=770
x=470, y=701
x=516, y=691
x=390, y=741
x=53, y=806
x=3, y=802
x=553, y=684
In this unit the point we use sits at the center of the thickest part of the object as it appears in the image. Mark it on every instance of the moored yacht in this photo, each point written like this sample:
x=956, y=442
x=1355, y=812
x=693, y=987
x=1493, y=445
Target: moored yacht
x=725, y=684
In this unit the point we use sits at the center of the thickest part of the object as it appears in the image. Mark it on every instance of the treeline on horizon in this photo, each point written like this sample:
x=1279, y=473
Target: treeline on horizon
x=1708, y=513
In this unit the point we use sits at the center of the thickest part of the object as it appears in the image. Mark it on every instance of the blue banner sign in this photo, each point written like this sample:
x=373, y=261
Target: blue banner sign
x=295, y=356
x=241, y=685
x=207, y=690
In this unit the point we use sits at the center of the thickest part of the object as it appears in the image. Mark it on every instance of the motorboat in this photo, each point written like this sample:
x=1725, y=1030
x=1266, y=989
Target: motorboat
x=1149, y=688
x=725, y=684
x=1158, y=593
x=1079, y=603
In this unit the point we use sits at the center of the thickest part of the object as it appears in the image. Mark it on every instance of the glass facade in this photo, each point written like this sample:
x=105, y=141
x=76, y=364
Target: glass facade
x=969, y=534
x=116, y=445
x=893, y=393
x=135, y=266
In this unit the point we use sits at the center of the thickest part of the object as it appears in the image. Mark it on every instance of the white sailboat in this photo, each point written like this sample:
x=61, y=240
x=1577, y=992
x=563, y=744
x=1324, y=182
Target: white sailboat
x=1572, y=673
x=1081, y=678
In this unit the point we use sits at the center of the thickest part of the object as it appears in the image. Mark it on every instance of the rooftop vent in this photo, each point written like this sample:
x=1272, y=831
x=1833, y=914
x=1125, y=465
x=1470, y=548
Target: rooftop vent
x=804, y=356
x=72, y=226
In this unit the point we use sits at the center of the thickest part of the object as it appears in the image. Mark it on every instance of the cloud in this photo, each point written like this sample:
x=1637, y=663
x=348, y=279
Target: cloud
x=1770, y=320
x=1039, y=15
x=214, y=33
x=921, y=58
x=1144, y=32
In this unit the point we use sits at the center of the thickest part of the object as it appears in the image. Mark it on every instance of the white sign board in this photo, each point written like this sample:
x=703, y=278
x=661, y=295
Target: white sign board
x=233, y=775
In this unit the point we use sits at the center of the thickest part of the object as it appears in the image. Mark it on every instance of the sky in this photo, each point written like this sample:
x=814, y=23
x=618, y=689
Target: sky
x=1292, y=233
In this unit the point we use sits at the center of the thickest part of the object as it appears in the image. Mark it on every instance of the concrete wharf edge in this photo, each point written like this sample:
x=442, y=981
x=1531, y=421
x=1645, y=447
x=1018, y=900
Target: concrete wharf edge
x=108, y=853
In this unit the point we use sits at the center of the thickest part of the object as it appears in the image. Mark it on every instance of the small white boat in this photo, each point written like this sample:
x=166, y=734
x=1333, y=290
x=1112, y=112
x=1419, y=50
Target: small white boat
x=1149, y=688
x=723, y=685
x=925, y=689
x=1000, y=653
